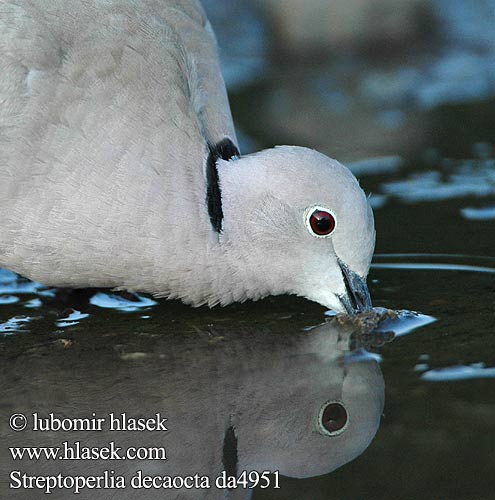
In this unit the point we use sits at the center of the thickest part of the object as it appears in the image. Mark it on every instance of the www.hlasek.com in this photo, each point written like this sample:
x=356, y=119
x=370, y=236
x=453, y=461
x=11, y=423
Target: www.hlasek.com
x=77, y=451
x=111, y=479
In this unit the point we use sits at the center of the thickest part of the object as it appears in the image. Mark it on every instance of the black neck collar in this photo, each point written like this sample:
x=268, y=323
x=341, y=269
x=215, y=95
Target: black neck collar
x=225, y=149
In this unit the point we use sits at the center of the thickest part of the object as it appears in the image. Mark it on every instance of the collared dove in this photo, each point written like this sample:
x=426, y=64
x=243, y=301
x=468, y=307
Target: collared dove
x=119, y=167
x=237, y=399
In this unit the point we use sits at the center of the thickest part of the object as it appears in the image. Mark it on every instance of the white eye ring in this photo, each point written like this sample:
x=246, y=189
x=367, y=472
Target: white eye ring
x=310, y=221
x=322, y=429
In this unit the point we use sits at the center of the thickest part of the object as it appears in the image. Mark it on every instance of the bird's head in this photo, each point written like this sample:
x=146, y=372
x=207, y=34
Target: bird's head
x=297, y=222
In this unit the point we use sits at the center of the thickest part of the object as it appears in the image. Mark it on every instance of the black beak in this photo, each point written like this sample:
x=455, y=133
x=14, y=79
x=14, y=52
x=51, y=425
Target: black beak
x=357, y=299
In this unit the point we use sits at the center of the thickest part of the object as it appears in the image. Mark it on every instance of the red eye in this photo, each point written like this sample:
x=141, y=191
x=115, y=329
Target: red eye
x=333, y=418
x=321, y=222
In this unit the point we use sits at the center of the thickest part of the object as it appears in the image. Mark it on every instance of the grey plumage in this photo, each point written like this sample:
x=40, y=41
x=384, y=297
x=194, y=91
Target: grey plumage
x=107, y=111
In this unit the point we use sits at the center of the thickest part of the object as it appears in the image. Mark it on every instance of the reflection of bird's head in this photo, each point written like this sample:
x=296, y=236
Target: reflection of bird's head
x=313, y=414
x=307, y=228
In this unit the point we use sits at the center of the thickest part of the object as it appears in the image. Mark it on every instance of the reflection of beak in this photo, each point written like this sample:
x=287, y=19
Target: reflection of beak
x=357, y=298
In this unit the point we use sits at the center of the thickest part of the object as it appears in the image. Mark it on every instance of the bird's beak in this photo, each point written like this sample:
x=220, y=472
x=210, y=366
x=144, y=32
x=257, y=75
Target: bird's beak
x=357, y=298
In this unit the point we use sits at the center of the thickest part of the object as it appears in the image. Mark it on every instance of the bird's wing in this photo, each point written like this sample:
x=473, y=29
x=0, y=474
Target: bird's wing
x=106, y=112
x=106, y=78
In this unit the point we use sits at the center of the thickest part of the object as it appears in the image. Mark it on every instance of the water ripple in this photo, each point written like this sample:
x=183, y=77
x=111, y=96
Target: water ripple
x=485, y=213
x=15, y=324
x=428, y=263
x=72, y=319
x=112, y=301
x=458, y=372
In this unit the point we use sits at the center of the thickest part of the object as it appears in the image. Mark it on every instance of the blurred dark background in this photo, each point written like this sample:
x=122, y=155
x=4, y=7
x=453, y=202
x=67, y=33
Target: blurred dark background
x=401, y=91
x=360, y=78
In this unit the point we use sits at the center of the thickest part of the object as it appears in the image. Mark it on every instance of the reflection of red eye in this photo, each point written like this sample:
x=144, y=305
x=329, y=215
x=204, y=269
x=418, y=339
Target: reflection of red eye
x=333, y=418
x=322, y=223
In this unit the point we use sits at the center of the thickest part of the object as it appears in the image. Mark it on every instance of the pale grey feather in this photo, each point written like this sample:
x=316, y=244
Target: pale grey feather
x=107, y=111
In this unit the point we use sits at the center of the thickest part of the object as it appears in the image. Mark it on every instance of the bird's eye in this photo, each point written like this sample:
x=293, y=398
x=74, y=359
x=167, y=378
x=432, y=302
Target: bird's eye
x=332, y=418
x=320, y=221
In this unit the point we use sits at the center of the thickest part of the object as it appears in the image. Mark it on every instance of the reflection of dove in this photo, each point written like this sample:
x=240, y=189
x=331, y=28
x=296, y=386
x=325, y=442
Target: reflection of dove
x=299, y=403
x=119, y=166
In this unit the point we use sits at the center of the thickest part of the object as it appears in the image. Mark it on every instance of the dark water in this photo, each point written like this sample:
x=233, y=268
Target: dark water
x=243, y=387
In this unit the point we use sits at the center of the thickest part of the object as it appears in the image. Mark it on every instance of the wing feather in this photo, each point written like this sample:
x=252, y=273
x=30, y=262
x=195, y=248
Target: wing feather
x=106, y=109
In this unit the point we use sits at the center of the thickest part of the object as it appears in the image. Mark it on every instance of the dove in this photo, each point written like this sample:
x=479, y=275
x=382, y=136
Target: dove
x=120, y=167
